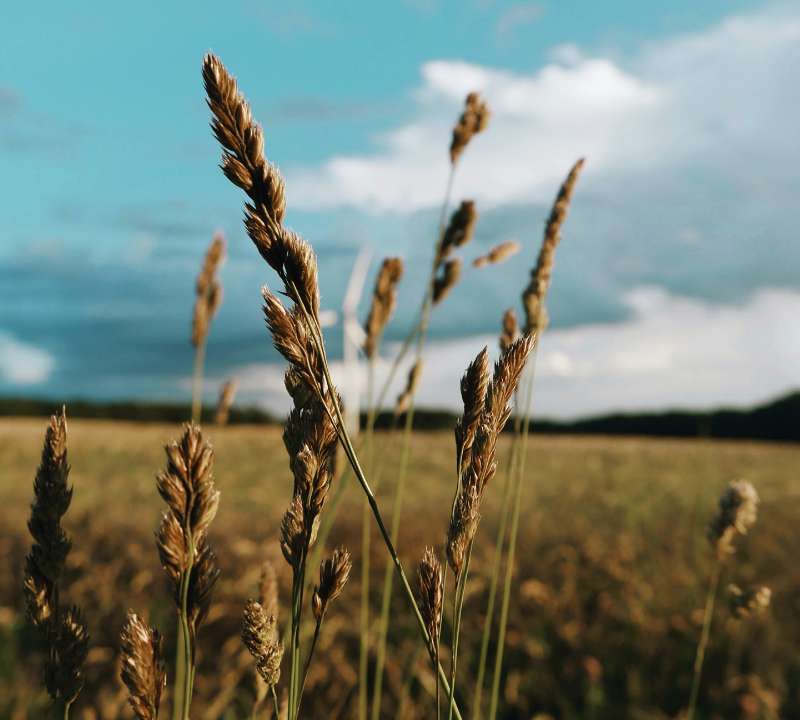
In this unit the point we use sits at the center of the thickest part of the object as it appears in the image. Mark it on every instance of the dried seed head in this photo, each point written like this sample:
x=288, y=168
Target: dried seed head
x=384, y=299
x=202, y=580
x=446, y=279
x=52, y=497
x=744, y=603
x=227, y=394
x=208, y=290
x=463, y=525
x=474, y=387
x=260, y=636
x=510, y=331
x=293, y=534
x=534, y=294
x=405, y=397
x=473, y=120
x=333, y=575
x=497, y=254
x=738, y=508
x=459, y=230
x=292, y=258
x=143, y=670
x=69, y=645
x=187, y=487
x=431, y=591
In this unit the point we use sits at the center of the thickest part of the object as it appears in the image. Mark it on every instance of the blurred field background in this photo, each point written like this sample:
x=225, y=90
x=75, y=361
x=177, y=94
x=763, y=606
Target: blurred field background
x=607, y=606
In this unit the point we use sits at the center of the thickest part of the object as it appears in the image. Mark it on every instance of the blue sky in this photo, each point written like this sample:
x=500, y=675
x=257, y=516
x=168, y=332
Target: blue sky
x=678, y=276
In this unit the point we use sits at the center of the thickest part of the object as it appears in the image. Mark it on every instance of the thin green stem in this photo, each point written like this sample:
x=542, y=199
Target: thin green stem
x=496, y=564
x=275, y=702
x=363, y=657
x=708, y=614
x=185, y=656
x=512, y=542
x=308, y=663
x=347, y=445
x=197, y=382
x=458, y=607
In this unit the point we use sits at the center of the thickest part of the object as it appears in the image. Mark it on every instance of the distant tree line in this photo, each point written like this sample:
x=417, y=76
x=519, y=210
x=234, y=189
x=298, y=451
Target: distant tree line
x=775, y=420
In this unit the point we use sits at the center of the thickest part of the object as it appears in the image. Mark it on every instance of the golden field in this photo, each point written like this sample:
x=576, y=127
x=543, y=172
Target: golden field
x=610, y=581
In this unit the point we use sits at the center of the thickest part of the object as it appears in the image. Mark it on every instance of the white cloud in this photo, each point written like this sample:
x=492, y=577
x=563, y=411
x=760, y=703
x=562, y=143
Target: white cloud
x=673, y=352
x=23, y=364
x=716, y=96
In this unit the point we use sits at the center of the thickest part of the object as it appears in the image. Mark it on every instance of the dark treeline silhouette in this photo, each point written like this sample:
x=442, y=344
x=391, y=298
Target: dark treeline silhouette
x=775, y=420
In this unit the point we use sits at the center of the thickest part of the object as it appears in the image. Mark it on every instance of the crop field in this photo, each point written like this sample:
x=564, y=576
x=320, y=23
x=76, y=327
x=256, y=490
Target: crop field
x=608, y=587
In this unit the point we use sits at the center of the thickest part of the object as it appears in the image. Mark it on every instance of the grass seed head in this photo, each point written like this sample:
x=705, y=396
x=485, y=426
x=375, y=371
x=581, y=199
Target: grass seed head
x=533, y=296
x=384, y=300
x=738, y=509
x=260, y=637
x=333, y=575
x=474, y=120
x=143, y=669
x=431, y=591
x=510, y=330
x=497, y=254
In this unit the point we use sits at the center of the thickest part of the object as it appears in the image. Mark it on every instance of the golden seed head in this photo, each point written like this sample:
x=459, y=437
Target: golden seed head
x=446, y=279
x=143, y=669
x=208, y=290
x=459, y=230
x=227, y=394
x=533, y=296
x=738, y=509
x=260, y=636
x=474, y=120
x=412, y=383
x=384, y=300
x=510, y=331
x=333, y=575
x=431, y=591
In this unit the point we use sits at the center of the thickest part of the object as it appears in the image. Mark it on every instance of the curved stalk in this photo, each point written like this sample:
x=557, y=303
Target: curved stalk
x=708, y=613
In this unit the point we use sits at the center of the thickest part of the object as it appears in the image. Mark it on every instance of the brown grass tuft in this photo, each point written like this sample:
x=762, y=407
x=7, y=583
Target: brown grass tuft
x=446, y=280
x=738, y=509
x=510, y=331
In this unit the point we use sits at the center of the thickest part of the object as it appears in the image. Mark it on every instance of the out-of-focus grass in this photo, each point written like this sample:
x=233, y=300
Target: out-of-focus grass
x=611, y=573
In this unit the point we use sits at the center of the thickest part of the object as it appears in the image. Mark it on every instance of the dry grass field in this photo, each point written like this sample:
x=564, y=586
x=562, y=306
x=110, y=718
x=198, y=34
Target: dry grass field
x=608, y=592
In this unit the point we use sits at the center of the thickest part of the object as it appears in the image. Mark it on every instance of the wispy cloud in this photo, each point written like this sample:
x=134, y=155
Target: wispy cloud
x=515, y=17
